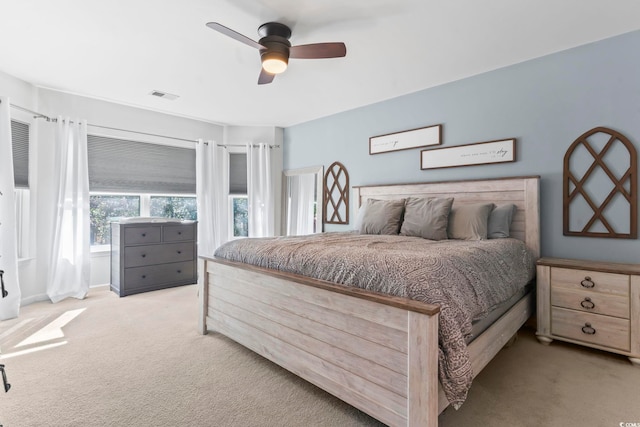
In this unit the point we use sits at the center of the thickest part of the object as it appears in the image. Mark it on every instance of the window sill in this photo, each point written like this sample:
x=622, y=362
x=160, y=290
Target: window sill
x=100, y=250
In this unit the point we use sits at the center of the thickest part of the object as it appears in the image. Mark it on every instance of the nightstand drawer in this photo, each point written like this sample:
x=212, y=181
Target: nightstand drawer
x=593, y=281
x=590, y=302
x=591, y=328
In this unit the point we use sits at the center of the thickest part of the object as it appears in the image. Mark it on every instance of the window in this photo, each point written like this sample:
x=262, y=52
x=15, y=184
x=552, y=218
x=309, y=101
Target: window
x=132, y=178
x=20, y=147
x=108, y=207
x=238, y=201
x=20, y=134
x=105, y=208
x=239, y=216
x=174, y=207
x=23, y=215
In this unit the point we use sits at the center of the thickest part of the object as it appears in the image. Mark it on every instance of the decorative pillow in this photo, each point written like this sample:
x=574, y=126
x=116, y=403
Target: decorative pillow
x=426, y=217
x=382, y=216
x=500, y=221
x=469, y=222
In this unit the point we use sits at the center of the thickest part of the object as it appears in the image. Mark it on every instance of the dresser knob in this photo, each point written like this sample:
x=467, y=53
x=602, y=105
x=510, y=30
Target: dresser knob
x=144, y=255
x=587, y=303
x=587, y=329
x=179, y=271
x=144, y=276
x=179, y=233
x=144, y=234
x=179, y=252
x=587, y=282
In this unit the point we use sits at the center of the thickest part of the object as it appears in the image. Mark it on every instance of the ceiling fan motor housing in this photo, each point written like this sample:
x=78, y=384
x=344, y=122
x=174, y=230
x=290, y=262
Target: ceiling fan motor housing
x=275, y=47
x=275, y=39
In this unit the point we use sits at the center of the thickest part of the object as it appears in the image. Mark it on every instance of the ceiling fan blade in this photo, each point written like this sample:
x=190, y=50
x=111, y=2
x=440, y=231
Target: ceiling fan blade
x=318, y=50
x=234, y=34
x=265, y=78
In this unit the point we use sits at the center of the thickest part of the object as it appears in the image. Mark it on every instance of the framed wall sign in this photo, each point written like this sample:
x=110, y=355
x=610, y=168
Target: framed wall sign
x=414, y=138
x=481, y=153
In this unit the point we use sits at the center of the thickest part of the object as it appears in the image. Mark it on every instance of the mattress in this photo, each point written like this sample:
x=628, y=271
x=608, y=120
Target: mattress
x=481, y=325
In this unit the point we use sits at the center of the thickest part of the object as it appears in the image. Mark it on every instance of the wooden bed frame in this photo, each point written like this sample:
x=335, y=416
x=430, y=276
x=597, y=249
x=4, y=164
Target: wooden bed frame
x=378, y=353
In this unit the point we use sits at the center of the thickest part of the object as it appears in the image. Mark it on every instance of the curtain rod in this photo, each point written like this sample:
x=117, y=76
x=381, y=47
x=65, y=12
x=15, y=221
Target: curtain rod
x=54, y=120
x=241, y=145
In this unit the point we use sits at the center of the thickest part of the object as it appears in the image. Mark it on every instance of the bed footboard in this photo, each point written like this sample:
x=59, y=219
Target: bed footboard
x=377, y=353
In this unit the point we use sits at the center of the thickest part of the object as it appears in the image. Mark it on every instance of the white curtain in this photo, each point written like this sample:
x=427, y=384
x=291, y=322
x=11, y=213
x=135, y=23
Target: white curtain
x=210, y=197
x=260, y=192
x=301, y=199
x=9, y=305
x=70, y=262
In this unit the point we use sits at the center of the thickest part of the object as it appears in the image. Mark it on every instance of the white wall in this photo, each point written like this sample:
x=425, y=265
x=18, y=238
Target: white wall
x=102, y=113
x=25, y=95
x=33, y=272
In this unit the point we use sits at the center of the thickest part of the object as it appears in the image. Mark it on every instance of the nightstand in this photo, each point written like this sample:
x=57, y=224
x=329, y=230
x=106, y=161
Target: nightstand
x=595, y=304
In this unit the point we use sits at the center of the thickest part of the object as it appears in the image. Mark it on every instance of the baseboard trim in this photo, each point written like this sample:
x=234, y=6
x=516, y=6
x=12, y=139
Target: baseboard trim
x=44, y=297
x=33, y=299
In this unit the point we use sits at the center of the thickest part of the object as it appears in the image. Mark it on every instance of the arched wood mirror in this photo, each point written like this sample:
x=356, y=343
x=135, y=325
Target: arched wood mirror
x=302, y=198
x=600, y=180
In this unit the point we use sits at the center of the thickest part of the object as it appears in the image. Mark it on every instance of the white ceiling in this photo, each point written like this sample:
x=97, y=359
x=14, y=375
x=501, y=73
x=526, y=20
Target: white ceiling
x=120, y=50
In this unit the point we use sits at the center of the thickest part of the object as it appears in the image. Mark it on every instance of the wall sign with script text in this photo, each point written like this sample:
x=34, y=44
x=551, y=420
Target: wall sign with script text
x=414, y=138
x=481, y=153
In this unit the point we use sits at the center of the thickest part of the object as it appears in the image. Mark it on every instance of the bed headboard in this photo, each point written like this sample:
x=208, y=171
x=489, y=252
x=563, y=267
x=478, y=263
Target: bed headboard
x=524, y=192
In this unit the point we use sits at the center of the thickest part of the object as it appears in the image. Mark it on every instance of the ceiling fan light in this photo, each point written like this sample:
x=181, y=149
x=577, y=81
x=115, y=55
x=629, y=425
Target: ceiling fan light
x=274, y=62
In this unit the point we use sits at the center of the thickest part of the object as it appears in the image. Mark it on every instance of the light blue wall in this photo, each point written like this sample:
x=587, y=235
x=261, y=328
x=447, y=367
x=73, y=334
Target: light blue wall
x=545, y=103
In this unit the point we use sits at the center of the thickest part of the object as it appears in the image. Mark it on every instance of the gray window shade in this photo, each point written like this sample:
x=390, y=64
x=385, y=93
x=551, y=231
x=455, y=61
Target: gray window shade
x=237, y=173
x=20, y=143
x=132, y=166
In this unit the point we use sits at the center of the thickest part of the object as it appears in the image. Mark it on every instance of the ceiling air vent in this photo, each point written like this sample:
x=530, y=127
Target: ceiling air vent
x=164, y=95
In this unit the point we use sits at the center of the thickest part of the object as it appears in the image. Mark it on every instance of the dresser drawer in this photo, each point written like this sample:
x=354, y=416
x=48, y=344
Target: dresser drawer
x=143, y=277
x=590, y=328
x=176, y=233
x=141, y=235
x=590, y=302
x=136, y=256
x=609, y=283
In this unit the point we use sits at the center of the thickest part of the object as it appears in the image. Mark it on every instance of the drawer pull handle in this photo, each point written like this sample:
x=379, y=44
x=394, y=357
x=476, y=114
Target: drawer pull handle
x=587, y=303
x=587, y=329
x=587, y=282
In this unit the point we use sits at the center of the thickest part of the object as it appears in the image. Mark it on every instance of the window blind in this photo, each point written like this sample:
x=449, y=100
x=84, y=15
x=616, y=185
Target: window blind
x=237, y=173
x=20, y=144
x=131, y=166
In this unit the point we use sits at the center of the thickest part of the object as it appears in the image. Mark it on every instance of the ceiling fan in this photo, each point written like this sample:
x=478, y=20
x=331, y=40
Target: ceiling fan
x=275, y=48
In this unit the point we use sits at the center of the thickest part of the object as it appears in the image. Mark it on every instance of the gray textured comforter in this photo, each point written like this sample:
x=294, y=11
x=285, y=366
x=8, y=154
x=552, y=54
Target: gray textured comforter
x=465, y=278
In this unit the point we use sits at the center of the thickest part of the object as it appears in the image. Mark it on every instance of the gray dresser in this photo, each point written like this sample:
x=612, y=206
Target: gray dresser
x=147, y=256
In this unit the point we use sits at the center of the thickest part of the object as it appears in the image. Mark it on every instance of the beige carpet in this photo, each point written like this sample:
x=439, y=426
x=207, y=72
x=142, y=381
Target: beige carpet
x=138, y=361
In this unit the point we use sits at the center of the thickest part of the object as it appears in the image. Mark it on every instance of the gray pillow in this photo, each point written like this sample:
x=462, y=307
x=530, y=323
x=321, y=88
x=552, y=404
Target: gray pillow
x=500, y=221
x=382, y=216
x=426, y=217
x=469, y=222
